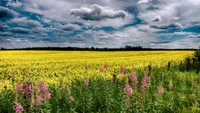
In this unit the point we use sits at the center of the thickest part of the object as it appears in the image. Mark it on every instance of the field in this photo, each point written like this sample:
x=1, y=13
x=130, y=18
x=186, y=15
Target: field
x=63, y=81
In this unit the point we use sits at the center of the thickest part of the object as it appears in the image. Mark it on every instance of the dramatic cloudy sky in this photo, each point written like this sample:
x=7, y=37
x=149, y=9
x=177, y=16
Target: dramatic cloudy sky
x=100, y=23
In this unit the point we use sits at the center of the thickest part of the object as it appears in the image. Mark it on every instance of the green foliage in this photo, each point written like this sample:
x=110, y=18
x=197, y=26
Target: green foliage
x=101, y=95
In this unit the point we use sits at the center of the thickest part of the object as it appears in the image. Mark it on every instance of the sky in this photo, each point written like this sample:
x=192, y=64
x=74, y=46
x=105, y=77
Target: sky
x=100, y=23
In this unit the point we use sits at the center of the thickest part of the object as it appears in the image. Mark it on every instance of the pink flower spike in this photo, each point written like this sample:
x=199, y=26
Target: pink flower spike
x=71, y=99
x=128, y=90
x=39, y=99
x=133, y=78
x=122, y=70
x=87, y=82
x=160, y=89
x=18, y=108
x=170, y=85
x=145, y=82
x=19, y=87
x=105, y=66
x=42, y=87
x=27, y=89
x=101, y=70
x=47, y=95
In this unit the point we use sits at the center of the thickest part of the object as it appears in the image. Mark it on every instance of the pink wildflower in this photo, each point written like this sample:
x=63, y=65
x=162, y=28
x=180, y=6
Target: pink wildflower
x=47, y=95
x=128, y=90
x=145, y=82
x=39, y=100
x=87, y=82
x=71, y=99
x=160, y=89
x=105, y=66
x=42, y=87
x=170, y=84
x=122, y=70
x=101, y=70
x=19, y=87
x=27, y=89
x=133, y=78
x=18, y=108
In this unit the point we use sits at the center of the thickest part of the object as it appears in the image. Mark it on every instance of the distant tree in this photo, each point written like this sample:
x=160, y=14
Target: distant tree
x=2, y=48
x=92, y=48
x=197, y=54
x=127, y=47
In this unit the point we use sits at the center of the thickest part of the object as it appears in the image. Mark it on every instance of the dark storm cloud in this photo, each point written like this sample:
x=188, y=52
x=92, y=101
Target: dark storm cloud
x=6, y=13
x=97, y=12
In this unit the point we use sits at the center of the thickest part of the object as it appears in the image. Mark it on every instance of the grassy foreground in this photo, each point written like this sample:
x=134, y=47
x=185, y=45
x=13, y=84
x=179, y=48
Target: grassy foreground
x=53, y=81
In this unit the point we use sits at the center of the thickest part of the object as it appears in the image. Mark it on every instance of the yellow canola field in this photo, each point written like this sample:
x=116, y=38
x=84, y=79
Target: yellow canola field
x=53, y=66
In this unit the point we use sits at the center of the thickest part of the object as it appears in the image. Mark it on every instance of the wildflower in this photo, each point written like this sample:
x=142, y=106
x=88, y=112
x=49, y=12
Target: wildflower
x=170, y=84
x=106, y=66
x=39, y=100
x=128, y=90
x=145, y=82
x=133, y=78
x=71, y=99
x=47, y=95
x=18, y=108
x=87, y=82
x=122, y=70
x=42, y=87
x=101, y=70
x=19, y=87
x=163, y=74
x=27, y=89
x=160, y=89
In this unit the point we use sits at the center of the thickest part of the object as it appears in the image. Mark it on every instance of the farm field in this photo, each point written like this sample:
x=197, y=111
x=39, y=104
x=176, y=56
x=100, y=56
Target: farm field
x=74, y=81
x=56, y=64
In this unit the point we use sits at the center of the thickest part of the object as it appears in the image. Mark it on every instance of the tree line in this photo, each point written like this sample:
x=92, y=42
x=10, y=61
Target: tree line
x=126, y=48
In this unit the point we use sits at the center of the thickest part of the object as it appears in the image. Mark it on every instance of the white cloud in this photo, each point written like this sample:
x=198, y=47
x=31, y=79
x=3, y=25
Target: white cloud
x=194, y=36
x=20, y=30
x=174, y=18
x=181, y=11
x=70, y=27
x=25, y=22
x=97, y=13
x=182, y=43
x=167, y=26
x=156, y=19
x=143, y=1
x=14, y=4
x=129, y=36
x=59, y=10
